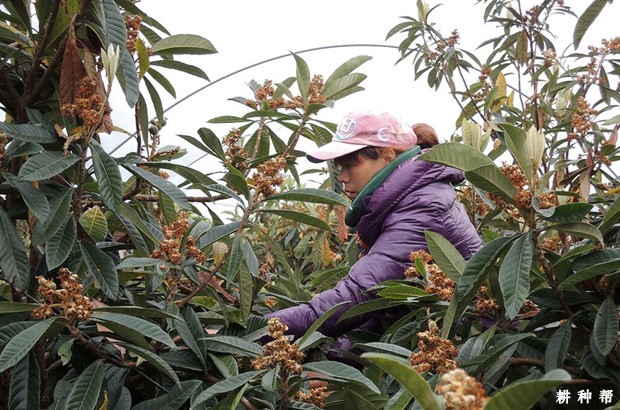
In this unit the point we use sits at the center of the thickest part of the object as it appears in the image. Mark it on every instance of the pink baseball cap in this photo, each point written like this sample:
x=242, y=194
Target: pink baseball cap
x=363, y=129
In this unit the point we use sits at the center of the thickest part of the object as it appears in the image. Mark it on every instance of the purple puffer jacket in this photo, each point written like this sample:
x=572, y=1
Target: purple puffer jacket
x=417, y=196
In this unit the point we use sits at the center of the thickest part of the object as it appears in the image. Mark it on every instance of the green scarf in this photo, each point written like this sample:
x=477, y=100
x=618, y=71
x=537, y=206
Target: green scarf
x=357, y=207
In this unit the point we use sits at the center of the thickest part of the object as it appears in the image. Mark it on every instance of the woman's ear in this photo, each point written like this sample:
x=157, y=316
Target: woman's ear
x=388, y=154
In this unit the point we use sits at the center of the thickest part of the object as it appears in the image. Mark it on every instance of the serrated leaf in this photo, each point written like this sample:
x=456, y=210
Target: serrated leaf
x=60, y=206
x=446, y=256
x=145, y=327
x=489, y=178
x=232, y=345
x=586, y=19
x=581, y=230
x=183, y=44
x=402, y=371
x=572, y=212
x=224, y=386
x=341, y=371
x=457, y=156
x=514, y=275
x=59, y=246
x=556, y=350
x=85, y=391
x=29, y=133
x=212, y=142
x=605, y=330
x=303, y=78
x=317, y=196
x=24, y=393
x=95, y=223
x=102, y=267
x=298, y=217
x=13, y=257
x=401, y=292
x=191, y=331
x=19, y=346
x=108, y=176
x=153, y=359
x=34, y=198
x=46, y=165
x=166, y=187
x=523, y=395
x=216, y=233
x=180, y=66
x=317, y=323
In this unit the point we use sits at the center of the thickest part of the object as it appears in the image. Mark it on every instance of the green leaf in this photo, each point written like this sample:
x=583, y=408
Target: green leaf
x=341, y=371
x=102, y=267
x=179, y=66
x=29, y=133
x=13, y=257
x=605, y=330
x=611, y=217
x=402, y=371
x=338, y=88
x=145, y=327
x=173, y=400
x=556, y=350
x=579, y=229
x=46, y=165
x=345, y=69
x=317, y=196
x=523, y=395
x=19, y=346
x=212, y=142
x=457, y=156
x=34, y=198
x=593, y=264
x=116, y=33
x=85, y=391
x=192, y=333
x=224, y=386
x=60, y=206
x=135, y=311
x=369, y=306
x=166, y=187
x=246, y=291
x=95, y=223
x=317, y=323
x=17, y=307
x=183, y=44
x=216, y=233
x=303, y=78
x=24, y=393
x=153, y=359
x=59, y=246
x=446, y=256
x=514, y=275
x=573, y=212
x=586, y=19
x=489, y=178
x=232, y=345
x=402, y=292
x=108, y=177
x=299, y=217
x=163, y=81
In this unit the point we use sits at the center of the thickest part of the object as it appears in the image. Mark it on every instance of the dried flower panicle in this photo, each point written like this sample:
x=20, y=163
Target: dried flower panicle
x=170, y=247
x=581, y=119
x=461, y=391
x=315, y=396
x=280, y=350
x=235, y=154
x=485, y=305
x=436, y=282
x=88, y=103
x=268, y=176
x=68, y=298
x=265, y=95
x=472, y=201
x=435, y=354
x=132, y=24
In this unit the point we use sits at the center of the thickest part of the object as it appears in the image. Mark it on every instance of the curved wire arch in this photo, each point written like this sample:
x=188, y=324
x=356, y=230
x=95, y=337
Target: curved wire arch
x=268, y=60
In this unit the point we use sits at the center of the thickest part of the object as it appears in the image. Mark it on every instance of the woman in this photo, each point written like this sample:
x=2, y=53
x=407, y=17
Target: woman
x=395, y=199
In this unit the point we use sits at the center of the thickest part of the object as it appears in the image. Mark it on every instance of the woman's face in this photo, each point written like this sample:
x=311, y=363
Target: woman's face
x=354, y=175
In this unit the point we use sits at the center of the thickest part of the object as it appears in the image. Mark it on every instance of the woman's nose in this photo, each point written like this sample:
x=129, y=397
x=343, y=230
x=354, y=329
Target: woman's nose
x=342, y=177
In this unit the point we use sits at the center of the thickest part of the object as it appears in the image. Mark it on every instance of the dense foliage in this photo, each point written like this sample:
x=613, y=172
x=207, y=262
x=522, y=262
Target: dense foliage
x=120, y=290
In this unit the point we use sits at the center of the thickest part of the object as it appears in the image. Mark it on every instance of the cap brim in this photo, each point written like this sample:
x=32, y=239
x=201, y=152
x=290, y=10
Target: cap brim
x=333, y=150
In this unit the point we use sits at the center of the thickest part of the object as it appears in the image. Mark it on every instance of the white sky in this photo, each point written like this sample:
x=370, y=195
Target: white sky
x=246, y=32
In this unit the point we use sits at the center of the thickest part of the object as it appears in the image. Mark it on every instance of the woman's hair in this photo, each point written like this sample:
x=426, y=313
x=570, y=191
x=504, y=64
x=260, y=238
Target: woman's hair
x=366, y=152
x=427, y=137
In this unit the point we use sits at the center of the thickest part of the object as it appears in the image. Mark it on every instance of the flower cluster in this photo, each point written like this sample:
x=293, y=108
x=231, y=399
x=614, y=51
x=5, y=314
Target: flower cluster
x=597, y=57
x=235, y=154
x=485, y=306
x=170, y=247
x=268, y=176
x=435, y=354
x=472, y=201
x=581, y=119
x=316, y=396
x=436, y=282
x=265, y=95
x=68, y=298
x=88, y=103
x=132, y=24
x=280, y=350
x=3, y=142
x=461, y=391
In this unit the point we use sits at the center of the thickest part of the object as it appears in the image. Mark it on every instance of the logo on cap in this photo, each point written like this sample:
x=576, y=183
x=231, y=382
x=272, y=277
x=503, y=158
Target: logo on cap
x=384, y=134
x=346, y=129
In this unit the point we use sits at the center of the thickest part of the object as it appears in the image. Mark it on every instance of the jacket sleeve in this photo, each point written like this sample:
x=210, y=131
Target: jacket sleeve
x=386, y=260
